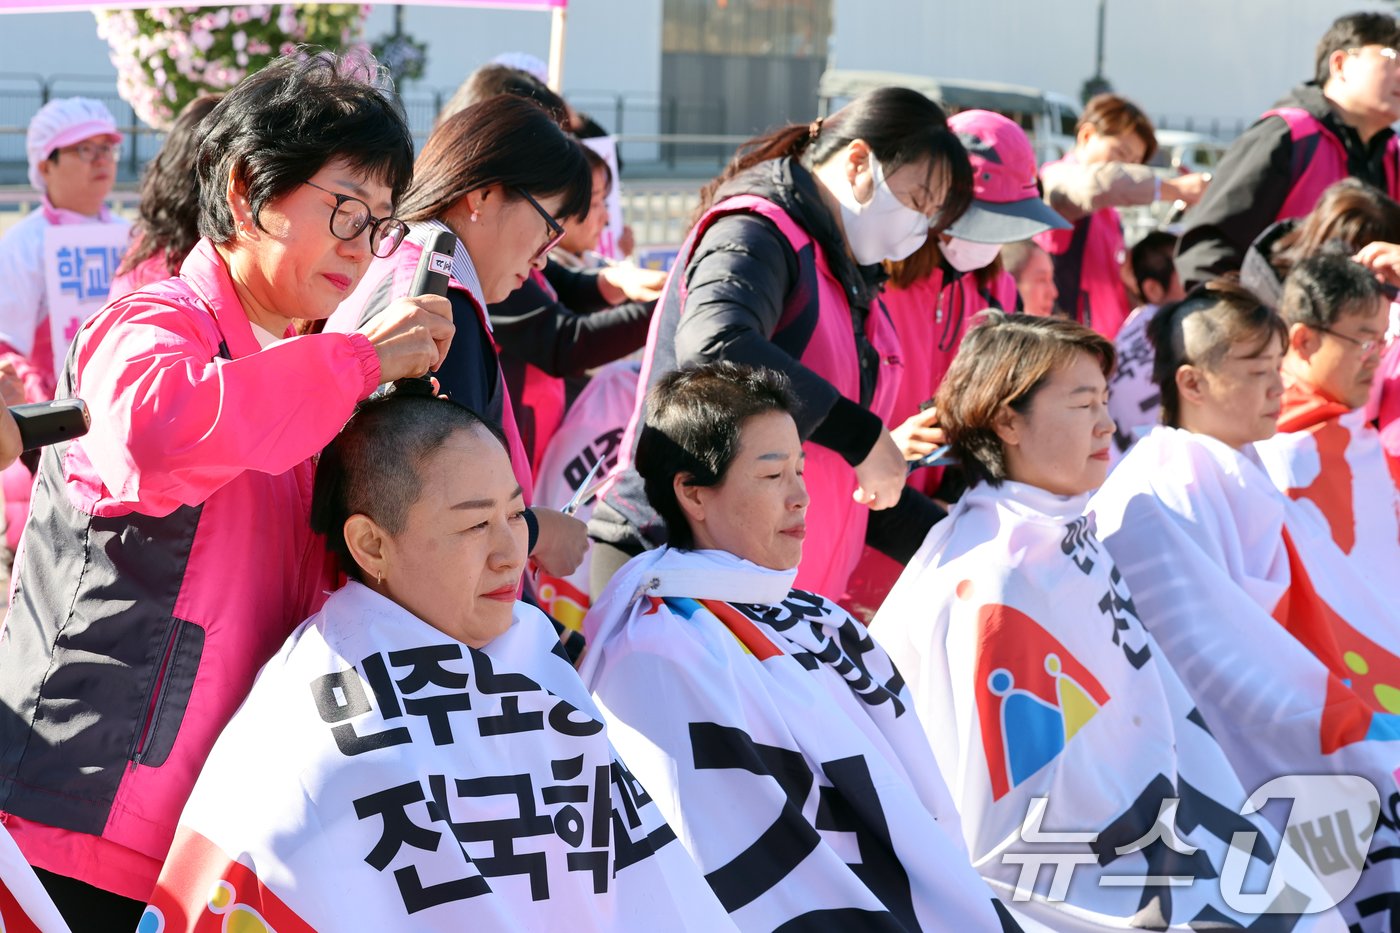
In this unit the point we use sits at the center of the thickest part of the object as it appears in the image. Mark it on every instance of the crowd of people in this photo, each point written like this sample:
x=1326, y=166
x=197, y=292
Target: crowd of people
x=916, y=555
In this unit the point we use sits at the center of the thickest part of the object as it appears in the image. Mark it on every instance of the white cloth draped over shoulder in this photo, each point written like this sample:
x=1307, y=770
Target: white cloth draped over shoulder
x=779, y=741
x=25, y=906
x=384, y=776
x=1036, y=681
x=1290, y=657
x=1329, y=460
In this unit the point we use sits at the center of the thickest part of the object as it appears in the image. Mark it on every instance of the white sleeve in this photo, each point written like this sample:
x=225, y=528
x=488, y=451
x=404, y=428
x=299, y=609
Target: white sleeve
x=22, y=303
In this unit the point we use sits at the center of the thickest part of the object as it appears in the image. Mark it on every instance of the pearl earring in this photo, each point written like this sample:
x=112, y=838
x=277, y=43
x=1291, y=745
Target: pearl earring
x=474, y=216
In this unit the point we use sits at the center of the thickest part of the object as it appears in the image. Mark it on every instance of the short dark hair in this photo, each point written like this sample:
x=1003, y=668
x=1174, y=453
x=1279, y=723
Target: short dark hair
x=374, y=465
x=1153, y=259
x=503, y=140
x=277, y=127
x=1353, y=31
x=1323, y=288
x=1200, y=329
x=1113, y=115
x=692, y=424
x=493, y=81
x=1003, y=362
x=168, y=218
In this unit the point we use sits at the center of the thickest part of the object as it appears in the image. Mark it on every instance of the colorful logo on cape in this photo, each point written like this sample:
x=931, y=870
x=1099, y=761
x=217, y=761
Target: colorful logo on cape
x=1363, y=686
x=202, y=890
x=748, y=635
x=562, y=600
x=1033, y=696
x=1332, y=490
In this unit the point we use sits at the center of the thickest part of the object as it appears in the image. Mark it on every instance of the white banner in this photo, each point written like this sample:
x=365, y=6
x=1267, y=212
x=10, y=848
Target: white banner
x=25, y=906
x=80, y=261
x=590, y=432
x=779, y=741
x=1287, y=653
x=383, y=776
x=1329, y=460
x=1049, y=705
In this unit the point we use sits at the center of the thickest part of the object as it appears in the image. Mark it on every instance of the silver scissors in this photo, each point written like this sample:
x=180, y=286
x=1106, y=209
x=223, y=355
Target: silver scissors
x=584, y=491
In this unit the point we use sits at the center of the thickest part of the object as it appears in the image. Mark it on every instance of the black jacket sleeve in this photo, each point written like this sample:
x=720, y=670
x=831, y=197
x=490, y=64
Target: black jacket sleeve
x=534, y=327
x=470, y=374
x=577, y=288
x=1244, y=198
x=898, y=532
x=737, y=282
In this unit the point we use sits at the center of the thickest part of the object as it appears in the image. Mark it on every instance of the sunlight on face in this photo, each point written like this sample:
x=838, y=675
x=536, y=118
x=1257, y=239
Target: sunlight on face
x=457, y=562
x=1061, y=442
x=759, y=511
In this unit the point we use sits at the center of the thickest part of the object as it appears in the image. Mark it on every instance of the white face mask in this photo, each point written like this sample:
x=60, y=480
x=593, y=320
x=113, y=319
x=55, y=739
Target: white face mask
x=965, y=256
x=882, y=229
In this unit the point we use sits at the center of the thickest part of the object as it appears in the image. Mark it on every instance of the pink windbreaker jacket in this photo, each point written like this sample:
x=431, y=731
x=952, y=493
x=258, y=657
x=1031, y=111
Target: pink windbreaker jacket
x=167, y=556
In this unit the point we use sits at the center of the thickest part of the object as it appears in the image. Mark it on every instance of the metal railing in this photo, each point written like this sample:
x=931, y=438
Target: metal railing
x=657, y=210
x=642, y=123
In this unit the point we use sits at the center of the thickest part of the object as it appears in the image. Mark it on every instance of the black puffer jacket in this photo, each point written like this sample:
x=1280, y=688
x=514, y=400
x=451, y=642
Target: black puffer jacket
x=750, y=298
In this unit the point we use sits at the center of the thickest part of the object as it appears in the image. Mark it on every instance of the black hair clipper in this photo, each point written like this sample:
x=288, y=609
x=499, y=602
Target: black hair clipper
x=430, y=278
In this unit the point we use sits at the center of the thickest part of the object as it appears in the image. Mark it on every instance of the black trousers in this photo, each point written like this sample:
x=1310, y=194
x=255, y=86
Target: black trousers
x=88, y=909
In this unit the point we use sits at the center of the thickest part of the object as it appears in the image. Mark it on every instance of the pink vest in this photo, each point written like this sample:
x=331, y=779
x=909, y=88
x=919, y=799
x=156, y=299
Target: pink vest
x=544, y=395
x=835, y=523
x=1096, y=244
x=931, y=317
x=1320, y=160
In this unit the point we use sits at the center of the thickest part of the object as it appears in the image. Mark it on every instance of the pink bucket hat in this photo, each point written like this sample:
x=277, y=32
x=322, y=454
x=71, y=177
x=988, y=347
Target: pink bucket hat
x=1006, y=204
x=64, y=122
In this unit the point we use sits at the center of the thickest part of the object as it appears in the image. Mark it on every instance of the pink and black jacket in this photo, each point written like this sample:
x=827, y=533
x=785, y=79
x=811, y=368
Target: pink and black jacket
x=1277, y=170
x=1088, y=260
x=167, y=556
x=764, y=279
x=555, y=326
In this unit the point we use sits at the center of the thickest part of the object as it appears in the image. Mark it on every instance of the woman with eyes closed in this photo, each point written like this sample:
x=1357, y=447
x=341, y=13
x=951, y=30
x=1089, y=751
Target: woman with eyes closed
x=731, y=694
x=427, y=758
x=1028, y=666
x=1290, y=654
x=168, y=551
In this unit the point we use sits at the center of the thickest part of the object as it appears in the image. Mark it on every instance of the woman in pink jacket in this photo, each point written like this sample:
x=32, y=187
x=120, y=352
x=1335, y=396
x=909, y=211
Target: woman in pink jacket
x=168, y=552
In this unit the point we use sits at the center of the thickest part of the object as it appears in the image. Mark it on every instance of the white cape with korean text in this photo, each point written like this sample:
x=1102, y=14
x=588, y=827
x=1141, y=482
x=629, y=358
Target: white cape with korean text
x=779, y=741
x=383, y=776
x=1288, y=655
x=1092, y=793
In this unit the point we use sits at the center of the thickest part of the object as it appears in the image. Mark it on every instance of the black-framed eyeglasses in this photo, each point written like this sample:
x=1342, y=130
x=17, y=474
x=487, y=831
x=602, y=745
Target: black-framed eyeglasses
x=1366, y=345
x=351, y=216
x=555, y=228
